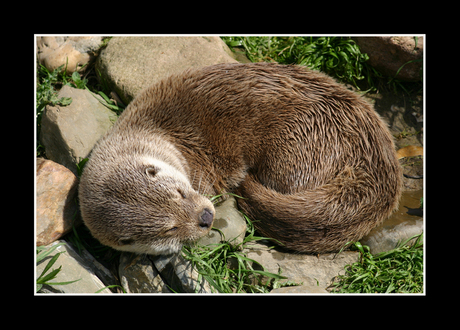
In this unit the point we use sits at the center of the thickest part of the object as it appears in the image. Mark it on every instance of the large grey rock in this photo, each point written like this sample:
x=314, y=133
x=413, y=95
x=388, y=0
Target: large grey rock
x=84, y=268
x=138, y=275
x=180, y=274
x=129, y=64
x=159, y=274
x=70, y=132
x=404, y=223
x=389, y=54
x=313, y=270
x=56, y=206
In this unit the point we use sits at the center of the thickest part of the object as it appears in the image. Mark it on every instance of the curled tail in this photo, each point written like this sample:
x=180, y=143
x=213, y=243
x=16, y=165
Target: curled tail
x=320, y=220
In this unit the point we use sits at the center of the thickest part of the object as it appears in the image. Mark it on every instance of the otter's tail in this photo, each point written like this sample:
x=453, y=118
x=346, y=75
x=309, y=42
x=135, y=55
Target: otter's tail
x=323, y=219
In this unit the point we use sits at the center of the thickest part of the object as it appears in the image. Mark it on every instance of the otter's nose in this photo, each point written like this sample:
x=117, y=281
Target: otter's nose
x=206, y=218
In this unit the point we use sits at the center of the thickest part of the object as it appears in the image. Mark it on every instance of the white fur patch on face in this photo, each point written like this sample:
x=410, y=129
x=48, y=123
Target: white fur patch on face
x=166, y=169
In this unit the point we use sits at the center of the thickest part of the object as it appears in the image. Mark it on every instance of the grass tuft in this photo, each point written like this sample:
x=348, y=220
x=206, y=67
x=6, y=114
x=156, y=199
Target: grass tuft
x=339, y=57
x=45, y=278
x=396, y=271
x=228, y=270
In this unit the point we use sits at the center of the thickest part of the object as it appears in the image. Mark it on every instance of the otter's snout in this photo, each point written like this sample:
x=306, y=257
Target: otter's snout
x=206, y=218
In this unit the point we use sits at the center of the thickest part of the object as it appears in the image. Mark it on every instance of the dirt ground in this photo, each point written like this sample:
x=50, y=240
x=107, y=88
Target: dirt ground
x=404, y=115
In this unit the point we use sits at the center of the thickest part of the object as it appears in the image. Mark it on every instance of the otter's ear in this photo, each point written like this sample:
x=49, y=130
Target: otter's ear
x=152, y=171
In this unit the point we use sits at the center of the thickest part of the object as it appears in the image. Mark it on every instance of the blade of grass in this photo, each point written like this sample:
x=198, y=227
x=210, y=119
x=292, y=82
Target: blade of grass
x=49, y=265
x=43, y=255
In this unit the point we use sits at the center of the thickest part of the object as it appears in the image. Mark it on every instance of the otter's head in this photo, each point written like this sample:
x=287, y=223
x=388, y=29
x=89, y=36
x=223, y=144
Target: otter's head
x=142, y=205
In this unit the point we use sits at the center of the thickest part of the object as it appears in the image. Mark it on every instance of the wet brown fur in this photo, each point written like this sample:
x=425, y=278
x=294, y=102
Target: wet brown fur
x=313, y=160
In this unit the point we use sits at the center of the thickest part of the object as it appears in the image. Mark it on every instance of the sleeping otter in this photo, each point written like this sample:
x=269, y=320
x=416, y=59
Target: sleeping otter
x=315, y=163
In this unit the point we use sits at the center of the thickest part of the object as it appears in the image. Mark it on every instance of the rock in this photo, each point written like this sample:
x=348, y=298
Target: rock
x=228, y=220
x=404, y=223
x=159, y=274
x=402, y=112
x=399, y=112
x=70, y=132
x=313, y=270
x=179, y=274
x=75, y=52
x=75, y=267
x=413, y=170
x=138, y=275
x=411, y=160
x=129, y=64
x=388, y=54
x=302, y=289
x=56, y=204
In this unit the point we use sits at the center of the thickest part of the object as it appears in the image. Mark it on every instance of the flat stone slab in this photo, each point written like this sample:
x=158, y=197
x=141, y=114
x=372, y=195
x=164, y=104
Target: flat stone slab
x=130, y=64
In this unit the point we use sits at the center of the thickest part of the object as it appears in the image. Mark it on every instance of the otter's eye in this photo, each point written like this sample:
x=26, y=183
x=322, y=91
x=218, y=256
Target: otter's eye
x=152, y=171
x=126, y=241
x=184, y=196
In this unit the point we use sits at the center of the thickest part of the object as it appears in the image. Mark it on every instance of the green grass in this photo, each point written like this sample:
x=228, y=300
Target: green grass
x=340, y=57
x=47, y=84
x=396, y=271
x=228, y=270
